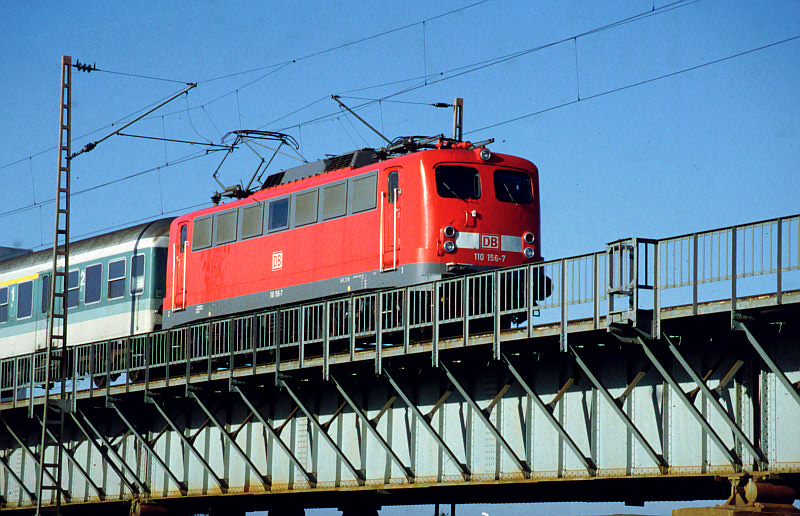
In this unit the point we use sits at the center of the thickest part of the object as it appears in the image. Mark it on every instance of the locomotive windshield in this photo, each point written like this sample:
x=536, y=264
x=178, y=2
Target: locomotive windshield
x=458, y=182
x=512, y=186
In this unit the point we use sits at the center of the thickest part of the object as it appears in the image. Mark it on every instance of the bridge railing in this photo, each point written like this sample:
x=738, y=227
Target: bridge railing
x=632, y=282
x=730, y=264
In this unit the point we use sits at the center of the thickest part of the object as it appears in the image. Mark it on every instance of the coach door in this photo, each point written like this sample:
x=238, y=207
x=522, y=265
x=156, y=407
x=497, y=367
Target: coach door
x=390, y=220
x=179, y=269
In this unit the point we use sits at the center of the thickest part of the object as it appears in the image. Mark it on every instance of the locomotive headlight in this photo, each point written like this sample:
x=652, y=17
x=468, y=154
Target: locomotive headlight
x=528, y=252
x=449, y=246
x=486, y=154
x=528, y=237
x=449, y=231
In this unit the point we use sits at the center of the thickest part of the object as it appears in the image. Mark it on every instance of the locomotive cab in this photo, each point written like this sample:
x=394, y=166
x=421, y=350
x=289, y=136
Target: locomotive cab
x=483, y=209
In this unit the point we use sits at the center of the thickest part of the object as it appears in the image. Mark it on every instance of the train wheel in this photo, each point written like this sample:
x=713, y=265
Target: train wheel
x=100, y=380
x=136, y=376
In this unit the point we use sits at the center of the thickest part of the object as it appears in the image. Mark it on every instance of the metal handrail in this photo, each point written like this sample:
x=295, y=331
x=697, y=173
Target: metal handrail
x=593, y=291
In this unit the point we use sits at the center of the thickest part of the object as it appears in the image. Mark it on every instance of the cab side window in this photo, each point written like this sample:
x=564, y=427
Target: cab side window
x=393, y=180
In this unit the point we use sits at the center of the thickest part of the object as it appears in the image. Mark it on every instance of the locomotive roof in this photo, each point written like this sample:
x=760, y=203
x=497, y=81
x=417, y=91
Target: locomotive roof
x=147, y=230
x=355, y=159
x=367, y=156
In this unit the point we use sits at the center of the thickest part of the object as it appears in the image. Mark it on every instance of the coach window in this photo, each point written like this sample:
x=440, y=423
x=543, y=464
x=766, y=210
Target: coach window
x=279, y=214
x=3, y=304
x=305, y=207
x=45, y=293
x=364, y=196
x=334, y=201
x=458, y=182
x=24, y=299
x=73, y=288
x=93, y=287
x=137, y=274
x=512, y=186
x=116, y=279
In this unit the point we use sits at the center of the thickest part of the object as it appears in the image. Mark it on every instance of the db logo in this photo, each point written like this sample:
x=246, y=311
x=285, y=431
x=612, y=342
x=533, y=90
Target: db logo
x=490, y=241
x=277, y=260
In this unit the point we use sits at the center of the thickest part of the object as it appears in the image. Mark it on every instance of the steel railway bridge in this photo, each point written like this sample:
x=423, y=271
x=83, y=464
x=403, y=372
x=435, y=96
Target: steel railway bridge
x=655, y=370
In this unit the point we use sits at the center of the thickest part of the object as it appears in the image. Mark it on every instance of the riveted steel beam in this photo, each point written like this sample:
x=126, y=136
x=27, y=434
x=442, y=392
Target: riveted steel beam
x=10, y=471
x=732, y=457
x=547, y=410
x=265, y=480
x=358, y=474
x=107, y=449
x=425, y=420
x=35, y=457
x=714, y=401
x=657, y=458
x=779, y=375
x=149, y=447
x=409, y=474
x=223, y=484
x=522, y=465
x=310, y=477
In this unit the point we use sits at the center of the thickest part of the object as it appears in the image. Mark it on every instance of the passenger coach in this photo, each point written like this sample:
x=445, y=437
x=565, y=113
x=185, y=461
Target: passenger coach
x=115, y=289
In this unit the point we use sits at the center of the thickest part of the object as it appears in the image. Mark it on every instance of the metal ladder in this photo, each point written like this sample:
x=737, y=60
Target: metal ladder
x=56, y=404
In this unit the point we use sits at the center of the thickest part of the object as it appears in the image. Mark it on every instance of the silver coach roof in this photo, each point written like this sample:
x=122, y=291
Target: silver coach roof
x=153, y=229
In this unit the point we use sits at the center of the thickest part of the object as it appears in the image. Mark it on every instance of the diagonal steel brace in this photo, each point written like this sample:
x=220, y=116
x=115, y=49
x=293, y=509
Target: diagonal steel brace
x=7, y=467
x=108, y=448
x=755, y=452
x=657, y=458
x=99, y=490
x=358, y=474
x=388, y=449
x=465, y=473
x=522, y=465
x=732, y=457
x=264, y=478
x=35, y=456
x=586, y=460
x=149, y=447
x=223, y=485
x=780, y=375
x=310, y=477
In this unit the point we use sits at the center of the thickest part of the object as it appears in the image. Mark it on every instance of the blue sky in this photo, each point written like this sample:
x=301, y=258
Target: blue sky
x=645, y=118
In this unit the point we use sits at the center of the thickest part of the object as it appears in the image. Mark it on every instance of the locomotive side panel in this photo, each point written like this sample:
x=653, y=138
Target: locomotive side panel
x=311, y=233
x=351, y=230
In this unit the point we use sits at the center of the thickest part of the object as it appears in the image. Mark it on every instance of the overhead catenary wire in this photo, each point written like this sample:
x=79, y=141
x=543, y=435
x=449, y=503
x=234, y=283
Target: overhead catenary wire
x=639, y=83
x=83, y=67
x=441, y=76
x=278, y=66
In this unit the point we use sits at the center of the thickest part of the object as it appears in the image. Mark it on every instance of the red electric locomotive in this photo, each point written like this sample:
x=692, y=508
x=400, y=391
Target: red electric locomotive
x=419, y=210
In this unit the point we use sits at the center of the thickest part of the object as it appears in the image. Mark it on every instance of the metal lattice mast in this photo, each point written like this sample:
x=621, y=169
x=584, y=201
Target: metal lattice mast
x=55, y=370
